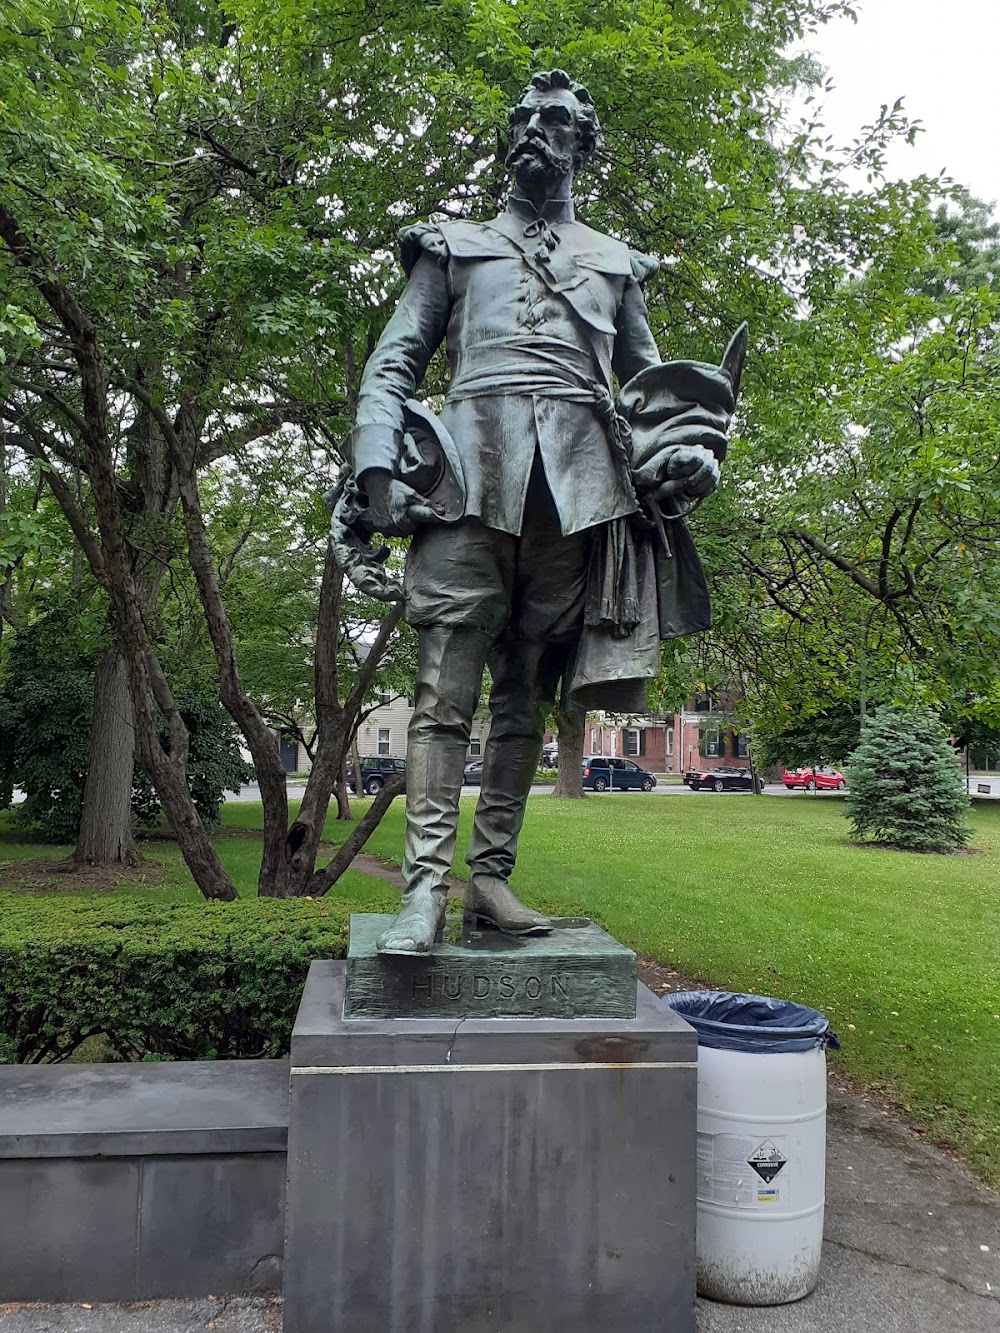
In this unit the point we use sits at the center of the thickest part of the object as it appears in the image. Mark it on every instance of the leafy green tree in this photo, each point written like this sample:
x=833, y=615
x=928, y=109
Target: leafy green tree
x=852, y=545
x=827, y=737
x=176, y=293
x=906, y=789
x=45, y=700
x=197, y=219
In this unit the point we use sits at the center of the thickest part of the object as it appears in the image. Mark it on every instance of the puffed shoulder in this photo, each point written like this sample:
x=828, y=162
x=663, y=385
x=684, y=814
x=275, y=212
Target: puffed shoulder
x=421, y=236
x=643, y=266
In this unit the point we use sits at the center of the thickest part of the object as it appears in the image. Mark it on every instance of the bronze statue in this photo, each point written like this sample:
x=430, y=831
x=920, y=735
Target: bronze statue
x=546, y=516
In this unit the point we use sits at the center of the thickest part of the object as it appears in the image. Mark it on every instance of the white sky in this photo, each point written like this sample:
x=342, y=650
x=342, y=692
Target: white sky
x=943, y=58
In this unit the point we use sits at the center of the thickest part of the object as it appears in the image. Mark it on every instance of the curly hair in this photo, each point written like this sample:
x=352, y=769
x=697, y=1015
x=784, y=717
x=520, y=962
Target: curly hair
x=588, y=125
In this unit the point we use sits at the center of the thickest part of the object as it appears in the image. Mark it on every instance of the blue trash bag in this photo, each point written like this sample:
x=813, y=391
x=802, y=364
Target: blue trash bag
x=758, y=1024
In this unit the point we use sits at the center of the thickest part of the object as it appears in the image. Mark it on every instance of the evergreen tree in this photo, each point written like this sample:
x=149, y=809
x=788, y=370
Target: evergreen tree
x=906, y=790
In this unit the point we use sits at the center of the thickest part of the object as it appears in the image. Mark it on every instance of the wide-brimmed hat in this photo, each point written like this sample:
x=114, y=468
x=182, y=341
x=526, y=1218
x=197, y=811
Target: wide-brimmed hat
x=683, y=403
x=430, y=461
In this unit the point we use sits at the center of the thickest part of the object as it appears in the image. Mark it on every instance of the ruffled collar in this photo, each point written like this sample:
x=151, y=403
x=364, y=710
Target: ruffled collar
x=553, y=210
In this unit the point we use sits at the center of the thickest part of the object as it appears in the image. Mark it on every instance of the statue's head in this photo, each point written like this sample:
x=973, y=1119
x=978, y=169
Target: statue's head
x=553, y=129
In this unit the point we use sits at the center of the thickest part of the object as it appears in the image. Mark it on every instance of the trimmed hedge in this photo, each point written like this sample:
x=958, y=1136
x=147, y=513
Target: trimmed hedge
x=181, y=981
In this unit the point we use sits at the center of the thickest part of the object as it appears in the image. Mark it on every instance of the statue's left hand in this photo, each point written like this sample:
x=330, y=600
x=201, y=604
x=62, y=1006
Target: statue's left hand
x=692, y=472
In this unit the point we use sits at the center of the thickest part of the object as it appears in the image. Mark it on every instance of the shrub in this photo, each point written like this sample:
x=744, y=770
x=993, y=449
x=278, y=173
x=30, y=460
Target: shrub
x=45, y=708
x=906, y=788
x=215, y=764
x=175, y=980
x=46, y=705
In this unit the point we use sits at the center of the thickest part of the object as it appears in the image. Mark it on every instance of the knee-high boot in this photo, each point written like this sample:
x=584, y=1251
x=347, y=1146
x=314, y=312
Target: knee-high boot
x=449, y=674
x=525, y=676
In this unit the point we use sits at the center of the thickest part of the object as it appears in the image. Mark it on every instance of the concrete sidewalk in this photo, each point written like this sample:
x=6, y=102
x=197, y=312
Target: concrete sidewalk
x=912, y=1246
x=912, y=1240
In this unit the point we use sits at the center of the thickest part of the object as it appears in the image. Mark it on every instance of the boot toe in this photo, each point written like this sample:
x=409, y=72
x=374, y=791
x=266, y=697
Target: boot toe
x=403, y=944
x=493, y=902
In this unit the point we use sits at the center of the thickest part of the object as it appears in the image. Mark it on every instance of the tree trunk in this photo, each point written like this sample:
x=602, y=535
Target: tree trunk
x=105, y=836
x=167, y=768
x=272, y=881
x=302, y=842
x=571, y=725
x=336, y=725
x=341, y=792
x=755, y=786
x=356, y=761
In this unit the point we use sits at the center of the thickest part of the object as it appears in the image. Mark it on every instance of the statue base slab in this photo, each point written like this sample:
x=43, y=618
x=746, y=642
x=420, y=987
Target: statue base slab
x=489, y=1175
x=575, y=971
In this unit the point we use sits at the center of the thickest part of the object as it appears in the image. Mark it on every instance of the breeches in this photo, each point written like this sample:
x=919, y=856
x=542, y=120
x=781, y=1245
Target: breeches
x=530, y=588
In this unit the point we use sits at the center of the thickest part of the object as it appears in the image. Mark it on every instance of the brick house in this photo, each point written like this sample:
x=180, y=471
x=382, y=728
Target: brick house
x=651, y=741
x=673, y=742
x=708, y=735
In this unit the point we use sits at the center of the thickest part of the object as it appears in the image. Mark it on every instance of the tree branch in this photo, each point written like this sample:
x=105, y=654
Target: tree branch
x=43, y=391
x=835, y=558
x=66, y=501
x=324, y=879
x=369, y=666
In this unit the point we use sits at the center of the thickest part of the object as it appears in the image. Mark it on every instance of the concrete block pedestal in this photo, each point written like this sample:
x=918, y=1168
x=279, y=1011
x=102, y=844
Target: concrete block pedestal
x=489, y=1175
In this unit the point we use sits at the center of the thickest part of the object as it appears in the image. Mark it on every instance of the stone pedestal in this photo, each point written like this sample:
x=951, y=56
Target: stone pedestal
x=575, y=971
x=489, y=1175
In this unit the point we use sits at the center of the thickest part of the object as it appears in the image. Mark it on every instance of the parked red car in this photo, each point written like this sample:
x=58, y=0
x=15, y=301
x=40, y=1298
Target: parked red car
x=824, y=778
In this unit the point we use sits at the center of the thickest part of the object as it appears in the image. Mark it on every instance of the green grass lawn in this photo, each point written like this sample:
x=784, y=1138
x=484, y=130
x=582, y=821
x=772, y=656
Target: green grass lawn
x=163, y=876
x=900, y=951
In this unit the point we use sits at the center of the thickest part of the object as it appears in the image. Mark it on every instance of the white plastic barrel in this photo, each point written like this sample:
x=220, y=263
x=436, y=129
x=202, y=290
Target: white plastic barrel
x=761, y=1147
x=761, y=1174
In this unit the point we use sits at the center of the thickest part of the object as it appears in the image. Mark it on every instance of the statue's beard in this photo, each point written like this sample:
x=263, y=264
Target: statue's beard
x=533, y=160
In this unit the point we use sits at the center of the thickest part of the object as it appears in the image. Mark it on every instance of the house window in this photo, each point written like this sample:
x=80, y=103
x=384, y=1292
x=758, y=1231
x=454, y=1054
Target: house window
x=669, y=738
x=702, y=703
x=634, y=741
x=475, y=746
x=595, y=741
x=384, y=698
x=708, y=742
x=742, y=747
x=383, y=740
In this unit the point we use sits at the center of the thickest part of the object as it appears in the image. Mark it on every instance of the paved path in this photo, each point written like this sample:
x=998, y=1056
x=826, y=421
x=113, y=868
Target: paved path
x=912, y=1246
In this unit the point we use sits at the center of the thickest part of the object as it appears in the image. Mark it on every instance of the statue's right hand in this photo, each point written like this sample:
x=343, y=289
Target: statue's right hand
x=394, y=508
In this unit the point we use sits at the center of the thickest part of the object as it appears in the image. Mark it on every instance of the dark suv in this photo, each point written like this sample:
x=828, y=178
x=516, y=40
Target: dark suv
x=604, y=774
x=376, y=770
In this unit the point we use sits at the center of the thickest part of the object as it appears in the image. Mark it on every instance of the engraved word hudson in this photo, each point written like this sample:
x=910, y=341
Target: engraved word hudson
x=455, y=986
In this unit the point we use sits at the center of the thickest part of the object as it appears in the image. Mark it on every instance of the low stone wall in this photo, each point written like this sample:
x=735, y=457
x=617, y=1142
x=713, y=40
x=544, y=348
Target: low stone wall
x=139, y=1182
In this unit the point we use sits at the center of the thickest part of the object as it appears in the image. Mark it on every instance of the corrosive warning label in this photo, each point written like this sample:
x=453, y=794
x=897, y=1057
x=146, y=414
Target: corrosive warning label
x=766, y=1160
x=726, y=1175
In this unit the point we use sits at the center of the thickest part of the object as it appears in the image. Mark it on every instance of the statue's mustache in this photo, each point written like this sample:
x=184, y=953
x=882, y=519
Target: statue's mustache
x=540, y=148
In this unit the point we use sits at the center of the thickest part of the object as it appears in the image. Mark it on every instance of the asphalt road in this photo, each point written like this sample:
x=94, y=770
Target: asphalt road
x=976, y=783
x=991, y=782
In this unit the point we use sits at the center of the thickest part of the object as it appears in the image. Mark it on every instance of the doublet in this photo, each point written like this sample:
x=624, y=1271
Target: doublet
x=536, y=315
